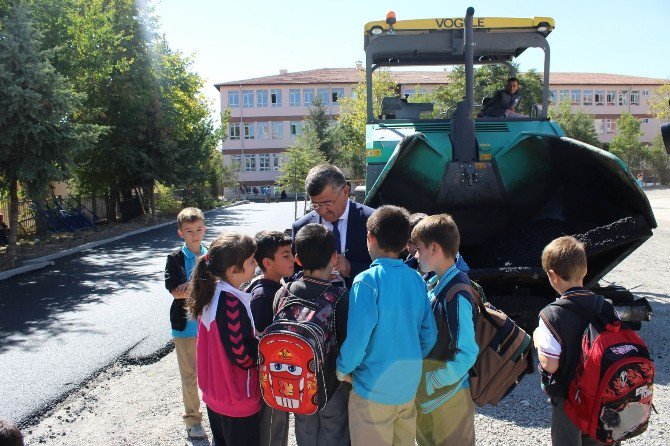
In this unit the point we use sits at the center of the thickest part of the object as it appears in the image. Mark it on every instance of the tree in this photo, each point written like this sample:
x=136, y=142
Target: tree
x=301, y=157
x=658, y=161
x=626, y=143
x=38, y=107
x=577, y=125
x=349, y=133
x=318, y=123
x=659, y=103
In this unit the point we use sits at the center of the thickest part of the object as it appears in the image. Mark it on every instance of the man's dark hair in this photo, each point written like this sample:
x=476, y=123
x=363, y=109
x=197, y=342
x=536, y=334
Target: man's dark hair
x=321, y=176
x=314, y=246
x=267, y=244
x=10, y=435
x=512, y=79
x=390, y=226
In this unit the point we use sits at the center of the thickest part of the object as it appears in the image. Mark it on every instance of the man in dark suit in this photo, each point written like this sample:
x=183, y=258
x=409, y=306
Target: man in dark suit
x=329, y=193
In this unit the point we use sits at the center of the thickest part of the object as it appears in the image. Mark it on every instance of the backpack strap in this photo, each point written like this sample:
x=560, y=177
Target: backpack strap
x=595, y=315
x=464, y=287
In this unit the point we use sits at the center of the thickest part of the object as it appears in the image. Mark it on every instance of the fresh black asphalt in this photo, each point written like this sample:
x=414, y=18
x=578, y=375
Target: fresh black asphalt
x=60, y=325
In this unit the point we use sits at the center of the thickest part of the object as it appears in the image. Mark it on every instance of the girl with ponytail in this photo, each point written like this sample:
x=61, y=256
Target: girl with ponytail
x=227, y=347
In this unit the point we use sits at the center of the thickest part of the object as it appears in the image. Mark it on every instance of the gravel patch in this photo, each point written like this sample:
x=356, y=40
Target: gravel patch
x=128, y=404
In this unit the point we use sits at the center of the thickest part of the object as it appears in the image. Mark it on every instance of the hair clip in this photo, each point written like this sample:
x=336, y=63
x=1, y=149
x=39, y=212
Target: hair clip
x=205, y=258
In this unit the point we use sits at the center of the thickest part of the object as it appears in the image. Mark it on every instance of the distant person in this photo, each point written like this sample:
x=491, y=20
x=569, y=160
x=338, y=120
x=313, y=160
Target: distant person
x=558, y=337
x=329, y=194
x=275, y=259
x=10, y=435
x=503, y=104
x=227, y=345
x=4, y=231
x=178, y=269
x=446, y=411
x=390, y=330
x=283, y=194
x=640, y=180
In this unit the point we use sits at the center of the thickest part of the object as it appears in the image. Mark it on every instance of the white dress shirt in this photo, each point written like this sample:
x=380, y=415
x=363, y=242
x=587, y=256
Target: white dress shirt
x=342, y=226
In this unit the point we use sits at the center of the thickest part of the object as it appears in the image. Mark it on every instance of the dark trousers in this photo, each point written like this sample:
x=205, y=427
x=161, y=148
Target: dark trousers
x=274, y=427
x=231, y=431
x=563, y=430
x=329, y=426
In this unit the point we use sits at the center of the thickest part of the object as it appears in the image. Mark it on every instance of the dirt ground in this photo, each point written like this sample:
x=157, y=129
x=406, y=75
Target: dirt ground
x=54, y=243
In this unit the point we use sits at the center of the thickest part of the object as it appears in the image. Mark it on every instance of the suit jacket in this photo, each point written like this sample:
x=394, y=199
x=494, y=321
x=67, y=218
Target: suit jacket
x=356, y=247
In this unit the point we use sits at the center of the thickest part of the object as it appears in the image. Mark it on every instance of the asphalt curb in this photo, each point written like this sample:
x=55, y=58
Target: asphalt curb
x=42, y=262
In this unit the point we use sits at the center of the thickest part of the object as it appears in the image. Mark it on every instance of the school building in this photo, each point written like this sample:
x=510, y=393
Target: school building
x=267, y=113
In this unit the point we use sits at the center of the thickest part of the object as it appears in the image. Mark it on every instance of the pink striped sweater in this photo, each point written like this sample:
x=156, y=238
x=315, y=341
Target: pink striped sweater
x=226, y=354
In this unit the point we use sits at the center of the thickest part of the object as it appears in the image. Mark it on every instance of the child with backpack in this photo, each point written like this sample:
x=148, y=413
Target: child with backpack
x=298, y=350
x=390, y=330
x=275, y=259
x=446, y=410
x=227, y=347
x=571, y=375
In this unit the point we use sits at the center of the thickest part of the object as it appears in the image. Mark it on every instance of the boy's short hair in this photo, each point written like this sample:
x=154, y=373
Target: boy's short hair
x=566, y=256
x=440, y=229
x=390, y=226
x=10, y=435
x=314, y=246
x=189, y=215
x=415, y=218
x=267, y=244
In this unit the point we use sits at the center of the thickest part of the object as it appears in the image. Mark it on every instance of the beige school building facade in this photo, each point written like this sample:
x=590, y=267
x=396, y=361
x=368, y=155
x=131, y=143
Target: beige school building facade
x=267, y=113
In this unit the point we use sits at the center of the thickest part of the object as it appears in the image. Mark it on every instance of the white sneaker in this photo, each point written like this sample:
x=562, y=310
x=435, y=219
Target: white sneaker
x=196, y=432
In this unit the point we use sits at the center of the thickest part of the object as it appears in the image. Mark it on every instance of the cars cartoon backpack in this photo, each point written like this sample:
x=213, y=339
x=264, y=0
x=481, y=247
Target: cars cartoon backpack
x=610, y=396
x=297, y=353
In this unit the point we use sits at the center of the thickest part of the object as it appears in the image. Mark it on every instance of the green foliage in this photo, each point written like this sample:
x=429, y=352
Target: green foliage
x=349, y=133
x=166, y=201
x=318, y=124
x=301, y=157
x=626, y=143
x=658, y=161
x=576, y=124
x=659, y=102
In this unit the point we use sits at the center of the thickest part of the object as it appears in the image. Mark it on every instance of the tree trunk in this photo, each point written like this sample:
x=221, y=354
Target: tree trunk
x=295, y=202
x=112, y=198
x=152, y=201
x=13, y=222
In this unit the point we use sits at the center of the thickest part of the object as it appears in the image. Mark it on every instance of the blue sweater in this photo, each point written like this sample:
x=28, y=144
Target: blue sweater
x=459, y=314
x=390, y=330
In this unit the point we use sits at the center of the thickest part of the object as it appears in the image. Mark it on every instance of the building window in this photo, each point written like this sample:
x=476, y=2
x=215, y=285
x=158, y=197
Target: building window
x=294, y=98
x=275, y=98
x=563, y=95
x=576, y=97
x=323, y=92
x=610, y=126
x=635, y=97
x=337, y=94
x=296, y=128
x=409, y=92
x=261, y=98
x=264, y=162
x=645, y=92
x=250, y=163
x=623, y=98
x=276, y=162
x=234, y=131
x=263, y=130
x=236, y=160
x=588, y=97
x=277, y=130
x=611, y=97
x=248, y=130
x=307, y=97
x=600, y=126
x=600, y=97
x=644, y=121
x=247, y=98
x=233, y=99
x=552, y=96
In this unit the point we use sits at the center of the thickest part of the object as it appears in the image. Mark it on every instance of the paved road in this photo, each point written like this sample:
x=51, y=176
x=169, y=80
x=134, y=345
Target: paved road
x=60, y=325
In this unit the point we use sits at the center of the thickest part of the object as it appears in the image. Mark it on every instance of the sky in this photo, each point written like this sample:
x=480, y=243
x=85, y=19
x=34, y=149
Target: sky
x=231, y=41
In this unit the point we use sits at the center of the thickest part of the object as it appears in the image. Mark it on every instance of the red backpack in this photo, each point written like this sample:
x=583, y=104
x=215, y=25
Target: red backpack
x=610, y=396
x=297, y=353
